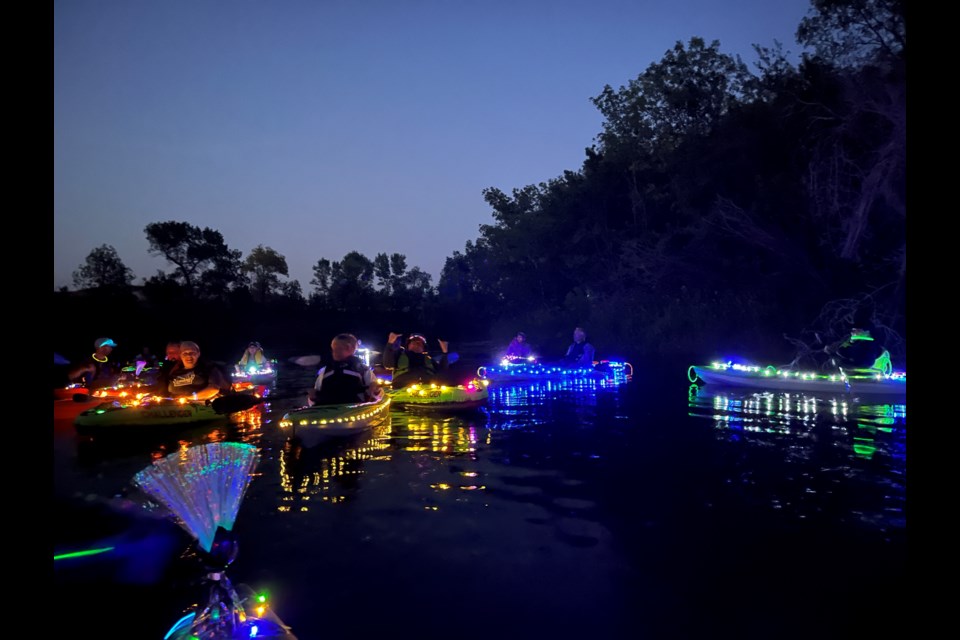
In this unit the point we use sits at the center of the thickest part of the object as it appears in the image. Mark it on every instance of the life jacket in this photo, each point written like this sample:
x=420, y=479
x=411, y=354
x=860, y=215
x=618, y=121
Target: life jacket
x=257, y=358
x=342, y=382
x=413, y=367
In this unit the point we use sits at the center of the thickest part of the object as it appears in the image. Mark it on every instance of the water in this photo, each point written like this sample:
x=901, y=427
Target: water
x=657, y=510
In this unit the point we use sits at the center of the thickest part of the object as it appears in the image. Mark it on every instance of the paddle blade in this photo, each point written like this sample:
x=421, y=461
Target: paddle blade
x=306, y=361
x=235, y=402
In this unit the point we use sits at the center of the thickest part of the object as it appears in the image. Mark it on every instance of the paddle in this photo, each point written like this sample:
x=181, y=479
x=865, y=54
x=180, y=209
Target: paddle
x=235, y=402
x=314, y=360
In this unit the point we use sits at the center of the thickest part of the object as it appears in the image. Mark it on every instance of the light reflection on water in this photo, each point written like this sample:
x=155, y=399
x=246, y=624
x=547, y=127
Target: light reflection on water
x=554, y=494
x=826, y=443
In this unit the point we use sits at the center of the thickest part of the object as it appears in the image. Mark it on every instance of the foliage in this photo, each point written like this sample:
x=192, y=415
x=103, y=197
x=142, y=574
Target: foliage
x=203, y=262
x=855, y=33
x=104, y=269
x=265, y=266
x=718, y=207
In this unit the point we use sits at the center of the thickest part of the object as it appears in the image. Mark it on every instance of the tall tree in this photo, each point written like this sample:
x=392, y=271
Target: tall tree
x=684, y=94
x=103, y=269
x=265, y=266
x=203, y=261
x=322, y=274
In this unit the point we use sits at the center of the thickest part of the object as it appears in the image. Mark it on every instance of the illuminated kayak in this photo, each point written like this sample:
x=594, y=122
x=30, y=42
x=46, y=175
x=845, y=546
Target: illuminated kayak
x=312, y=425
x=430, y=397
x=67, y=392
x=121, y=417
x=258, y=621
x=121, y=387
x=265, y=374
x=607, y=371
x=775, y=379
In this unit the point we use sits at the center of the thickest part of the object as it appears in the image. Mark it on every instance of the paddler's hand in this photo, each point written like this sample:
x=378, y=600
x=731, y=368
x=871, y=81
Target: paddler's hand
x=443, y=345
x=393, y=337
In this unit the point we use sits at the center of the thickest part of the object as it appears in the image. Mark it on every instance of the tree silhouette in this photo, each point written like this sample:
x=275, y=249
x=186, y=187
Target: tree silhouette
x=103, y=268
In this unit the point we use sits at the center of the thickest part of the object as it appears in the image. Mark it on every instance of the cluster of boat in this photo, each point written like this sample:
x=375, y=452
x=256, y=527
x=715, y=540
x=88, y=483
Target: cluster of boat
x=129, y=408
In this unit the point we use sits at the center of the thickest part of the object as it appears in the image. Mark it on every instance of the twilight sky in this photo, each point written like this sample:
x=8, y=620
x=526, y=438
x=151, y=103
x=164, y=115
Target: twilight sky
x=318, y=127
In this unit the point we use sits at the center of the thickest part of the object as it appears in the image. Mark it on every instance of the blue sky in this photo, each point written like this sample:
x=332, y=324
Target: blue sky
x=321, y=127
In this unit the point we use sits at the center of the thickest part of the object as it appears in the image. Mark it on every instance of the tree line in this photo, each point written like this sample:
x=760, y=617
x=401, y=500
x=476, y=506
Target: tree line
x=719, y=208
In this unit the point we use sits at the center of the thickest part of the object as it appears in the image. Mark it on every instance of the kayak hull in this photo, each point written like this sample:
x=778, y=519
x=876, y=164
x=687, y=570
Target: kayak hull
x=608, y=372
x=432, y=397
x=770, y=379
x=115, y=418
x=264, y=375
x=320, y=423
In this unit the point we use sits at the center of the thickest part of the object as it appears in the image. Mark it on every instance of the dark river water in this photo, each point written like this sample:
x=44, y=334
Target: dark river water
x=656, y=510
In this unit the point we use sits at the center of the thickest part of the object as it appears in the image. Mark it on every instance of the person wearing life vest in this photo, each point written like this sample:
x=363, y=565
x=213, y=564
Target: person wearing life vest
x=580, y=353
x=252, y=358
x=344, y=378
x=412, y=364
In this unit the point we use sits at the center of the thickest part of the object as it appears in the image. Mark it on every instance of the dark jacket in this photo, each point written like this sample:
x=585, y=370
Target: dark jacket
x=579, y=354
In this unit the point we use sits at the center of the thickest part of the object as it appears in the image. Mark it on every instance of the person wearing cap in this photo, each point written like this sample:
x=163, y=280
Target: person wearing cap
x=194, y=377
x=97, y=371
x=412, y=363
x=252, y=358
x=519, y=348
x=345, y=378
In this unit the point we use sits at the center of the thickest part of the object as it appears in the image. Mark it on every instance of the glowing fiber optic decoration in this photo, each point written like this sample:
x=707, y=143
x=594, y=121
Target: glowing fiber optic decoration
x=203, y=485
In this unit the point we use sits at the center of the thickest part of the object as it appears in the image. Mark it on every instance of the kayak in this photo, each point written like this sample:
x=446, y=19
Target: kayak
x=258, y=621
x=434, y=397
x=67, y=392
x=131, y=417
x=606, y=371
x=775, y=379
x=312, y=425
x=119, y=389
x=266, y=374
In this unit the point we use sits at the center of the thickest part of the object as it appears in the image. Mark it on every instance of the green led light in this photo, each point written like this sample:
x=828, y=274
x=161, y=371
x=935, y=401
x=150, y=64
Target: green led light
x=80, y=554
